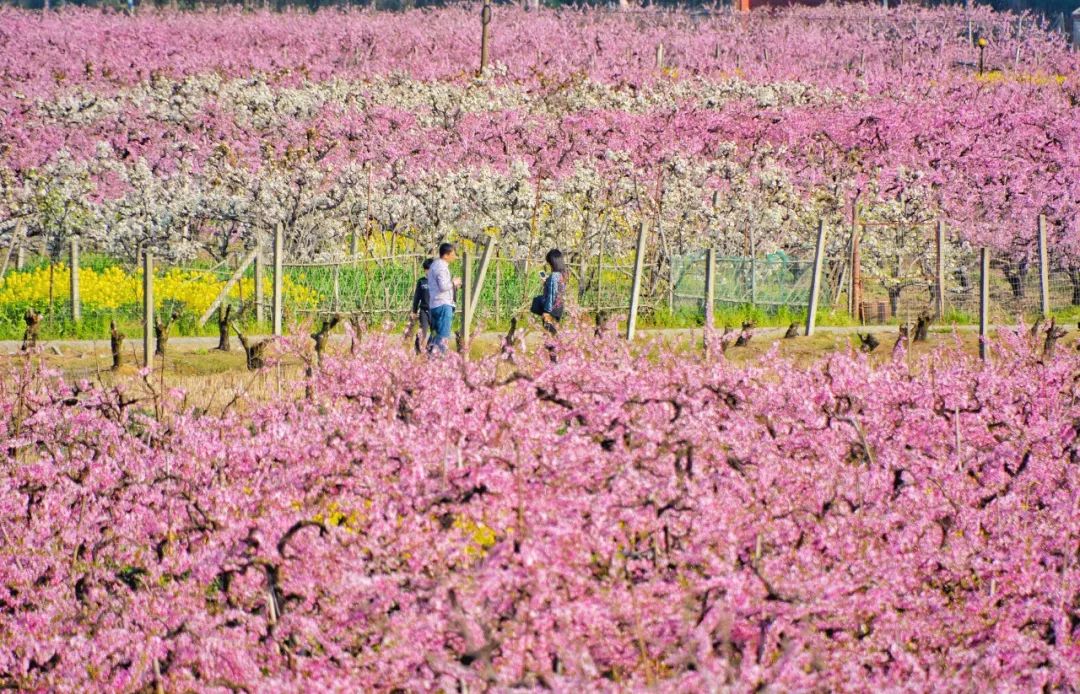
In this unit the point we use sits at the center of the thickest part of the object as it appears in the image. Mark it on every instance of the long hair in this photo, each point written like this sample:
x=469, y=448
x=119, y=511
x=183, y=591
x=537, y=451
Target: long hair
x=554, y=258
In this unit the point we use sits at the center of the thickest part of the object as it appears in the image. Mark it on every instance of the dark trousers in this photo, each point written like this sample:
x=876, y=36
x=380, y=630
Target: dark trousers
x=423, y=335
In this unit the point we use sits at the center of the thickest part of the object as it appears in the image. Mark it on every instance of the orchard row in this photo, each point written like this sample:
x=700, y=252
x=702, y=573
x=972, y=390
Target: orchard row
x=194, y=135
x=588, y=518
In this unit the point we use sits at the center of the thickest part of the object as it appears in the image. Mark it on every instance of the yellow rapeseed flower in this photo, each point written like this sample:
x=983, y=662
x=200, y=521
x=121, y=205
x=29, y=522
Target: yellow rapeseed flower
x=113, y=288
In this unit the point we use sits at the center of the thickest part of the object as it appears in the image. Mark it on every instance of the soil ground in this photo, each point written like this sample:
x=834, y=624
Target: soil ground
x=197, y=356
x=215, y=381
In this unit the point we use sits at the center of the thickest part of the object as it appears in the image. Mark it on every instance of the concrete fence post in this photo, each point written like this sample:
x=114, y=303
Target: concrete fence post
x=815, y=279
x=76, y=297
x=279, y=260
x=710, y=293
x=753, y=268
x=337, y=287
x=984, y=300
x=467, y=299
x=148, y=308
x=485, y=20
x=485, y=262
x=635, y=285
x=260, y=293
x=939, y=298
x=1044, y=270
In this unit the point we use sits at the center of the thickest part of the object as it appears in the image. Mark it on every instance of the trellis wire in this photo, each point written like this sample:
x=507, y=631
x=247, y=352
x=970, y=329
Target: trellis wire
x=383, y=287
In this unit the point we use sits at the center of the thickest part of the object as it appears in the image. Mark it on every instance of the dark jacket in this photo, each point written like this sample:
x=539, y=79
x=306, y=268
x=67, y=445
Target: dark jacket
x=420, y=296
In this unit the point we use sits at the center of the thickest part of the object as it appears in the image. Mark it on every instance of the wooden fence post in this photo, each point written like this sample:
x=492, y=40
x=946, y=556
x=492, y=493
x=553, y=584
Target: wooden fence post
x=485, y=261
x=279, y=259
x=20, y=257
x=260, y=293
x=815, y=279
x=1044, y=270
x=710, y=290
x=635, y=286
x=76, y=297
x=660, y=56
x=939, y=299
x=984, y=299
x=467, y=298
x=148, y=309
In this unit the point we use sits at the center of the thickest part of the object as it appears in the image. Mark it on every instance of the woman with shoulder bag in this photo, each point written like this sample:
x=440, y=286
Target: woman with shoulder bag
x=549, y=305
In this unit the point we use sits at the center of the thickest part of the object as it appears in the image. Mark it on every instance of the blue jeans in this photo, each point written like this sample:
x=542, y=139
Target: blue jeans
x=441, y=319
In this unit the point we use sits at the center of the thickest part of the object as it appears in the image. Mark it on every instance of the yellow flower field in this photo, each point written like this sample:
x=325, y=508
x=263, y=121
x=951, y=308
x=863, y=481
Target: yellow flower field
x=112, y=288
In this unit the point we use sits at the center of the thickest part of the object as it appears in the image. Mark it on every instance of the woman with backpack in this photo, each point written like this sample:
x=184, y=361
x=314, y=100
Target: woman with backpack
x=421, y=310
x=549, y=305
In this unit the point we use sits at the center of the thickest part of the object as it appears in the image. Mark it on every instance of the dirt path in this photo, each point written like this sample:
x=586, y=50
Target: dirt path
x=191, y=344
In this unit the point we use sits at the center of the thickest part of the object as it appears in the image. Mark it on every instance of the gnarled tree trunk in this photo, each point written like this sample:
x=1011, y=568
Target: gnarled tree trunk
x=224, y=318
x=116, y=344
x=161, y=332
x=33, y=328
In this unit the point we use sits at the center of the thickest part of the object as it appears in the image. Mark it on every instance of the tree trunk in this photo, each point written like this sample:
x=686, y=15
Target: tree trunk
x=33, y=327
x=1015, y=277
x=323, y=335
x=253, y=351
x=922, y=327
x=161, y=332
x=894, y=299
x=224, y=317
x=1053, y=334
x=161, y=337
x=116, y=344
x=963, y=279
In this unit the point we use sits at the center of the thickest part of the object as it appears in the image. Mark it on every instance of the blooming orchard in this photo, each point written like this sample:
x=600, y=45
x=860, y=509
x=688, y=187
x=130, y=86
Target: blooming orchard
x=606, y=521
x=589, y=518
x=197, y=132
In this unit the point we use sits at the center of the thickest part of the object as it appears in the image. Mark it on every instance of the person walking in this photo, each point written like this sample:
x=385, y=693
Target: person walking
x=441, y=288
x=551, y=308
x=421, y=308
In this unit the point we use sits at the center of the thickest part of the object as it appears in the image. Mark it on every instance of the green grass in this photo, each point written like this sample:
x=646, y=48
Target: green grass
x=735, y=316
x=384, y=293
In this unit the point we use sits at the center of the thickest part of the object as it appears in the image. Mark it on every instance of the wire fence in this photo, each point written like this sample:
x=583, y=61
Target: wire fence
x=895, y=287
x=772, y=282
x=1014, y=291
x=383, y=288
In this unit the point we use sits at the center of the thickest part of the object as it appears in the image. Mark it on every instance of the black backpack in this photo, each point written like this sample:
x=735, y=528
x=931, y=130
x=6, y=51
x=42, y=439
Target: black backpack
x=538, y=305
